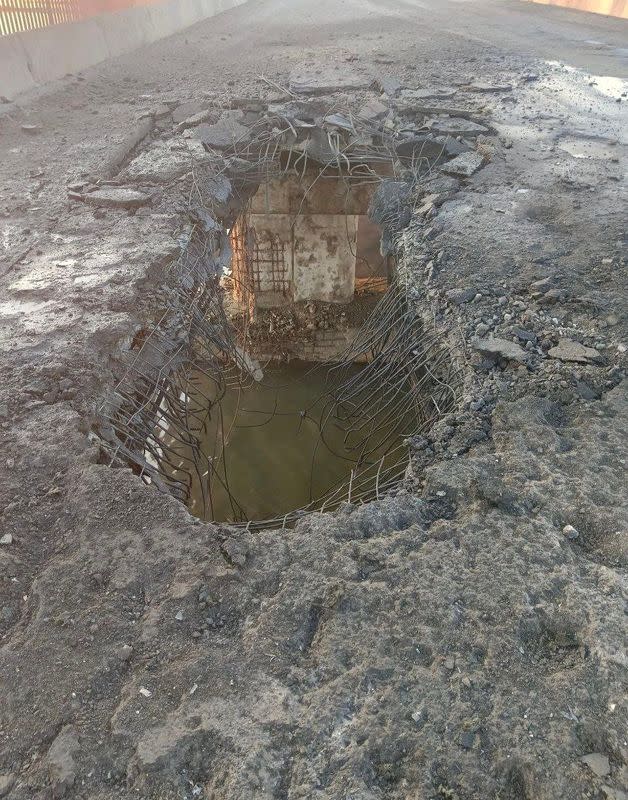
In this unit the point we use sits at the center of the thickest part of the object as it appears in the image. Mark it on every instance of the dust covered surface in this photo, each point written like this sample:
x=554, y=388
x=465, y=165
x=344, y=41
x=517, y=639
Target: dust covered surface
x=461, y=638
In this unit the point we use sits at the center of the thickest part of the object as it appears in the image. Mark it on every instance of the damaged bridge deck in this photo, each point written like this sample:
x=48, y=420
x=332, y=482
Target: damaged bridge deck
x=458, y=637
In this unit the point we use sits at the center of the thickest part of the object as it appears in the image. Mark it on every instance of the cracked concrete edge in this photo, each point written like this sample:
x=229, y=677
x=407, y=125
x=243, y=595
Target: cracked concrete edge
x=33, y=58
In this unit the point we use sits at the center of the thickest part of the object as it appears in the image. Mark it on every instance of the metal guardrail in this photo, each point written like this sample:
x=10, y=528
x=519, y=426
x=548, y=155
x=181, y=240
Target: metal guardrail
x=26, y=15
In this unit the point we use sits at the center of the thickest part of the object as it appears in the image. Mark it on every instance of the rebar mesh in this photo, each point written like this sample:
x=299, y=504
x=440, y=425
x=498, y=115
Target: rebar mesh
x=158, y=415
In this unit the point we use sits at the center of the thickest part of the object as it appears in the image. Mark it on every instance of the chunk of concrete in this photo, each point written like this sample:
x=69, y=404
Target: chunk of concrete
x=410, y=95
x=116, y=197
x=456, y=126
x=500, y=348
x=464, y=165
x=6, y=783
x=421, y=146
x=61, y=765
x=225, y=133
x=187, y=110
x=166, y=162
x=597, y=763
x=568, y=350
x=373, y=110
x=481, y=86
x=327, y=82
x=195, y=119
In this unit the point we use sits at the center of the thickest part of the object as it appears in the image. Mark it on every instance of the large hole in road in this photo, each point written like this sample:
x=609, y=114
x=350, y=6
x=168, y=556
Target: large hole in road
x=288, y=370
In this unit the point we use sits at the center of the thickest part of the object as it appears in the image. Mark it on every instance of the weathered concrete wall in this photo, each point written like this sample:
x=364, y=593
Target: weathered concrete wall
x=312, y=235
x=33, y=58
x=310, y=257
x=324, y=257
x=612, y=8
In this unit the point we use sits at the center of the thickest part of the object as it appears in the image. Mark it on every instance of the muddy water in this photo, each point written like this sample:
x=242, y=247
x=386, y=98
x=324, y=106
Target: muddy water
x=275, y=458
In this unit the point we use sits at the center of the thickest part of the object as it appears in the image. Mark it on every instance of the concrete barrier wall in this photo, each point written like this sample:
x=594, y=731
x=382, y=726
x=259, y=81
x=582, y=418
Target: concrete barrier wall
x=611, y=8
x=33, y=58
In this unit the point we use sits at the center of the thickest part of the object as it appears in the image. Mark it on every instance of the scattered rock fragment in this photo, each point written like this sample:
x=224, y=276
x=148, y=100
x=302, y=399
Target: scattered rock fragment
x=166, y=162
x=570, y=532
x=187, y=110
x=194, y=120
x=614, y=794
x=124, y=652
x=597, y=763
x=160, y=111
x=6, y=783
x=464, y=165
x=373, y=110
x=31, y=128
x=441, y=93
x=388, y=85
x=568, y=350
x=61, y=766
x=460, y=296
x=6, y=539
x=523, y=334
x=223, y=134
x=481, y=86
x=116, y=197
x=456, y=126
x=500, y=348
x=326, y=82
x=339, y=121
x=422, y=146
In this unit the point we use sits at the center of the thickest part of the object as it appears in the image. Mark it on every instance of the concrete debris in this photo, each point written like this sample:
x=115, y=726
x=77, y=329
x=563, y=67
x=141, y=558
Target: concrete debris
x=223, y=134
x=318, y=147
x=116, y=197
x=481, y=86
x=160, y=111
x=464, y=165
x=422, y=146
x=413, y=95
x=500, y=348
x=456, y=126
x=614, y=794
x=453, y=147
x=6, y=783
x=327, y=82
x=373, y=110
x=125, y=652
x=194, y=120
x=389, y=86
x=597, y=763
x=187, y=110
x=163, y=162
x=568, y=350
x=60, y=758
x=340, y=121
x=391, y=209
x=460, y=296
